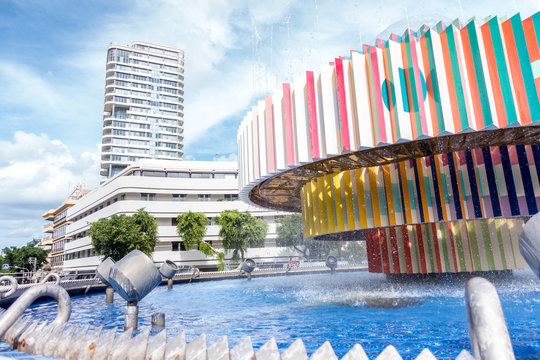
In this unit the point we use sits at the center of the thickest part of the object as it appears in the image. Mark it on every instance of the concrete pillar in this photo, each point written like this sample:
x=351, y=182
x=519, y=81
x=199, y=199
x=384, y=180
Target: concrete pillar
x=158, y=320
x=109, y=295
x=131, y=315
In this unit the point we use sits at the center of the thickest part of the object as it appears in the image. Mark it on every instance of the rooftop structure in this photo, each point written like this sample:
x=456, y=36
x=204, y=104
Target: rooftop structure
x=143, y=109
x=425, y=145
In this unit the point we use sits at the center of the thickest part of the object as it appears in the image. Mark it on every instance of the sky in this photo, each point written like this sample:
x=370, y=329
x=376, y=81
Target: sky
x=52, y=75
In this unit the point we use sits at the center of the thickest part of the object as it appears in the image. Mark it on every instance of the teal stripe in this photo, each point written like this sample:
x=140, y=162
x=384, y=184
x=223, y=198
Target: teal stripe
x=463, y=192
x=445, y=189
x=502, y=67
x=412, y=83
x=396, y=196
x=429, y=193
x=458, y=86
x=392, y=87
x=525, y=64
x=434, y=81
x=536, y=25
x=479, y=72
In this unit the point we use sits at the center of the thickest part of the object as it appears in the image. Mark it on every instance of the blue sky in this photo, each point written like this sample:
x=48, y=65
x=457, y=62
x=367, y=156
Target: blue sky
x=52, y=61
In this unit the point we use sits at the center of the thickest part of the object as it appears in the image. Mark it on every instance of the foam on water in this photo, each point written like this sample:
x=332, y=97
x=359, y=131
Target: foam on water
x=345, y=308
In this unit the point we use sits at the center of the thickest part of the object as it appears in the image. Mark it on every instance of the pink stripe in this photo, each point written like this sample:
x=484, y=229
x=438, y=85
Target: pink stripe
x=378, y=94
x=419, y=92
x=342, y=105
x=479, y=157
x=287, y=114
x=271, y=153
x=513, y=155
x=312, y=111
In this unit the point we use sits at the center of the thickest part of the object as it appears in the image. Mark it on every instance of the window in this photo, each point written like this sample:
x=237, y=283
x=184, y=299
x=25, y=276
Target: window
x=154, y=173
x=201, y=175
x=175, y=197
x=174, y=221
x=231, y=197
x=147, y=197
x=177, y=175
x=204, y=197
x=174, y=246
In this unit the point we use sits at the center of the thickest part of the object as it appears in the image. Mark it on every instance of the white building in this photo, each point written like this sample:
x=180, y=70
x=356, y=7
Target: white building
x=143, y=107
x=166, y=189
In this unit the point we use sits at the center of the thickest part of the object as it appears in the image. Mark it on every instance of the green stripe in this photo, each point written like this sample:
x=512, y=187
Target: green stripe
x=458, y=86
x=426, y=230
x=412, y=86
x=473, y=244
x=479, y=72
x=383, y=203
x=463, y=192
x=501, y=246
x=502, y=70
x=487, y=245
x=428, y=192
x=459, y=247
x=525, y=65
x=392, y=98
x=444, y=241
x=434, y=81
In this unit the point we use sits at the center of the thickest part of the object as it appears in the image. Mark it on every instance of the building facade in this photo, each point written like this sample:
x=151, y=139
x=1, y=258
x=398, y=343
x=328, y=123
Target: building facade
x=143, y=108
x=166, y=189
x=56, y=227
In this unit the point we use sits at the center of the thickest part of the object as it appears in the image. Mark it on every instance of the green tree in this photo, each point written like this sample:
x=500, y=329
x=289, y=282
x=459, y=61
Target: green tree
x=290, y=233
x=15, y=256
x=118, y=235
x=240, y=230
x=192, y=229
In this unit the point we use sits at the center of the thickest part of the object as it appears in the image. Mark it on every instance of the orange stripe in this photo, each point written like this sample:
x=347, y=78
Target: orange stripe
x=450, y=81
x=532, y=46
x=473, y=82
x=389, y=195
x=517, y=77
x=429, y=87
x=405, y=187
x=494, y=76
x=460, y=194
x=423, y=194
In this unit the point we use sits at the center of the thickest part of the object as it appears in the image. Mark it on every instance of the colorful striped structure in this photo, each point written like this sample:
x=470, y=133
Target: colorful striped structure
x=426, y=146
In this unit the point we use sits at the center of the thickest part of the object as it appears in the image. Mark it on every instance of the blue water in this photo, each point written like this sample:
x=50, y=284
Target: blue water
x=342, y=308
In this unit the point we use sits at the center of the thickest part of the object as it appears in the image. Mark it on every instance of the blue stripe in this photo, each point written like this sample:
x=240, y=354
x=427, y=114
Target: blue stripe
x=418, y=192
x=509, y=178
x=455, y=189
x=472, y=182
x=526, y=179
x=401, y=196
x=436, y=187
x=536, y=155
x=492, y=182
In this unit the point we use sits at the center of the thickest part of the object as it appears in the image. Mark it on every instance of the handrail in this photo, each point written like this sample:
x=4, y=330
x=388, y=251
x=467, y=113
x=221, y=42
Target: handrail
x=25, y=300
x=14, y=285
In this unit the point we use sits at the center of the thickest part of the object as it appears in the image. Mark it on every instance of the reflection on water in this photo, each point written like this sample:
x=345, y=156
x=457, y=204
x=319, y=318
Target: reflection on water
x=345, y=309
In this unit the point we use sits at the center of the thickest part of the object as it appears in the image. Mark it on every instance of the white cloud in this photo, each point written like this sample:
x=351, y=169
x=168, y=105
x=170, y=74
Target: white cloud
x=37, y=174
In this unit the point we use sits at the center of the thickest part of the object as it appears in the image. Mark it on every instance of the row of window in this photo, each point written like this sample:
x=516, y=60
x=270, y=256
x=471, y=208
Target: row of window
x=185, y=175
x=125, y=100
x=183, y=197
x=80, y=254
x=122, y=75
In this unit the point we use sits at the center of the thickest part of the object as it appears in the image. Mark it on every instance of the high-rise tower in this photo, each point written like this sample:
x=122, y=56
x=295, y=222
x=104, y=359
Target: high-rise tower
x=143, y=111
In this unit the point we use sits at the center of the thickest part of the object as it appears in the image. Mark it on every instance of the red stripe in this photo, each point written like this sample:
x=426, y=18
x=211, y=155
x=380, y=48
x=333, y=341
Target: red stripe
x=287, y=114
x=384, y=251
x=312, y=112
x=375, y=251
x=395, y=253
x=436, y=245
x=407, y=246
x=422, y=254
x=271, y=153
x=342, y=105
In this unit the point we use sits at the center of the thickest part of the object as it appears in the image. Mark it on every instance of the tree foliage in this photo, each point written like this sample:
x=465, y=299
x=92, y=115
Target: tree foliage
x=240, y=230
x=15, y=256
x=290, y=233
x=118, y=235
x=192, y=229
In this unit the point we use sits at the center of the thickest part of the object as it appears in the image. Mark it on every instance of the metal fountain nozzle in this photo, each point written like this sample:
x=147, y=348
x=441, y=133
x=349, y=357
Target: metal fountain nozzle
x=168, y=269
x=331, y=262
x=104, y=269
x=248, y=266
x=529, y=243
x=134, y=276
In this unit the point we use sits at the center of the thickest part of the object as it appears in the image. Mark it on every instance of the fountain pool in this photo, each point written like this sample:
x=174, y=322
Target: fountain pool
x=345, y=308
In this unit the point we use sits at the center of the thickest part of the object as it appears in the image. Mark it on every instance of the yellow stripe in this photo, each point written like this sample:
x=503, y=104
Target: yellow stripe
x=405, y=187
x=323, y=224
x=361, y=200
x=304, y=211
x=389, y=195
x=374, y=197
x=422, y=194
x=338, y=202
x=309, y=208
x=315, y=207
x=348, y=199
x=329, y=203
